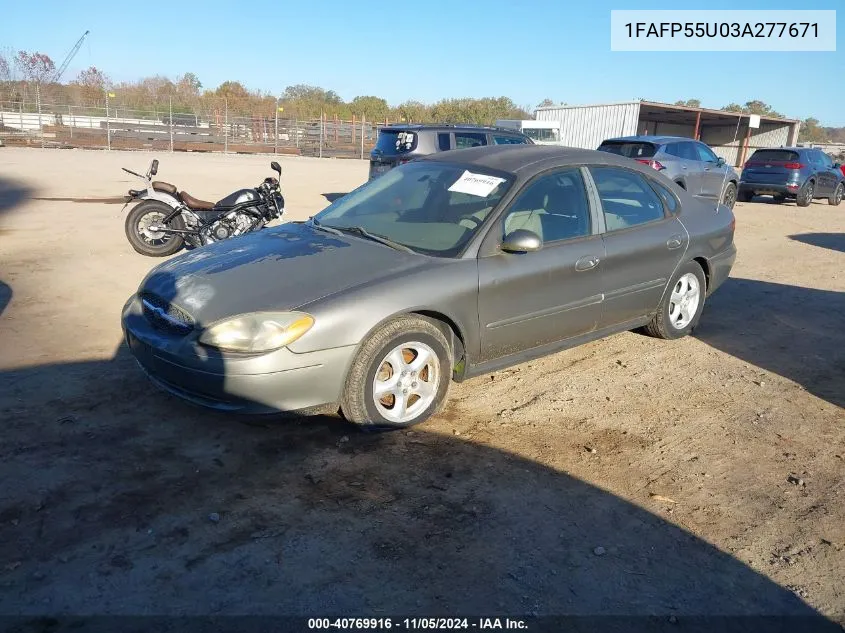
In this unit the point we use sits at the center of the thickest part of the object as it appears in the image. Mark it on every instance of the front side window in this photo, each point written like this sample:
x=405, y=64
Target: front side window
x=706, y=154
x=626, y=198
x=469, y=139
x=553, y=206
x=688, y=151
x=430, y=207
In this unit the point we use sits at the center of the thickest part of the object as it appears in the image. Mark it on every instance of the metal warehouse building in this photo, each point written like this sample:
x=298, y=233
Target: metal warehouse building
x=728, y=133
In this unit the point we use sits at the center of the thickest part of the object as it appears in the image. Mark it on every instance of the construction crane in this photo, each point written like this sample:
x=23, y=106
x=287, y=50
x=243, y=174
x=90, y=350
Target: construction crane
x=69, y=57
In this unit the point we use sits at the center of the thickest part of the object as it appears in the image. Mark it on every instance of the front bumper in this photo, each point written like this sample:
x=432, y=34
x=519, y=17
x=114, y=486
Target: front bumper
x=266, y=383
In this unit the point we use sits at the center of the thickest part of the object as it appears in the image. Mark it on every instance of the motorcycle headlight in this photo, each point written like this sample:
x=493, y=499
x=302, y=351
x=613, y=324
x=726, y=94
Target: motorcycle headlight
x=257, y=332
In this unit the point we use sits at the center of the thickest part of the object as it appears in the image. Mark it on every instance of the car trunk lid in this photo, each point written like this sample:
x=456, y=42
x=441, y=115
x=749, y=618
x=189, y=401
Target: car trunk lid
x=771, y=166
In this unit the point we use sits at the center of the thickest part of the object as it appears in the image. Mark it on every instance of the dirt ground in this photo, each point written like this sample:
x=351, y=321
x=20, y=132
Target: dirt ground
x=629, y=476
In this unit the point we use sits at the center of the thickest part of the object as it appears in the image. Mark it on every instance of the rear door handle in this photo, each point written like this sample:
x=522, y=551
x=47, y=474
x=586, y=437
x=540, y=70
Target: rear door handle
x=676, y=241
x=587, y=263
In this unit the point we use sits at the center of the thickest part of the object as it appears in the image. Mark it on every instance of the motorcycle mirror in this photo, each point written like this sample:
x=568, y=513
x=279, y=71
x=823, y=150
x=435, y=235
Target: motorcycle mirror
x=154, y=167
x=276, y=167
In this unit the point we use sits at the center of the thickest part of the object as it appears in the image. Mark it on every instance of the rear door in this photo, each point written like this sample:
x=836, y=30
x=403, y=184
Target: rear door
x=681, y=168
x=531, y=299
x=643, y=244
x=470, y=139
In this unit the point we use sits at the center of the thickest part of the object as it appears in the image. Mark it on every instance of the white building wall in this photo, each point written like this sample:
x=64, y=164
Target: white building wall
x=587, y=126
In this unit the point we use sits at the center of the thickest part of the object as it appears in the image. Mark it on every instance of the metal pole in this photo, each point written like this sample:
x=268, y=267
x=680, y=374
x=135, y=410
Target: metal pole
x=363, y=118
x=226, y=127
x=108, y=127
x=40, y=123
x=296, y=131
x=322, y=129
x=70, y=119
x=171, y=124
x=276, y=136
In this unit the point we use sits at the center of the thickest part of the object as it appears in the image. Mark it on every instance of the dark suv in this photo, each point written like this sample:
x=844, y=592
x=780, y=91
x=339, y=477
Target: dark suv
x=398, y=144
x=801, y=173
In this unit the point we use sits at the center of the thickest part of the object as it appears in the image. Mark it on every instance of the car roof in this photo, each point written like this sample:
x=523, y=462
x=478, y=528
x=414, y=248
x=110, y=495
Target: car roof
x=526, y=160
x=450, y=127
x=787, y=149
x=644, y=138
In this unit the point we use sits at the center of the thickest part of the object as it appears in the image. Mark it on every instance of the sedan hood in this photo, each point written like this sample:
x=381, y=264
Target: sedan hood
x=280, y=268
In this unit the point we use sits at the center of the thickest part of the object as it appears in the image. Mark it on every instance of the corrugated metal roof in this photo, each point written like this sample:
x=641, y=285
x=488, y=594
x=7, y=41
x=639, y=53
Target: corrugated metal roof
x=655, y=104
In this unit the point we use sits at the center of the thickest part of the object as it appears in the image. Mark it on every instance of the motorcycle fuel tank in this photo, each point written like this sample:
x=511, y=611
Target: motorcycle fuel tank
x=238, y=197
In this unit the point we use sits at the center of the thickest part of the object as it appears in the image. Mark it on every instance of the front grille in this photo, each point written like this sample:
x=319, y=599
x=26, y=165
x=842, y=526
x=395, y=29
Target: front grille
x=166, y=316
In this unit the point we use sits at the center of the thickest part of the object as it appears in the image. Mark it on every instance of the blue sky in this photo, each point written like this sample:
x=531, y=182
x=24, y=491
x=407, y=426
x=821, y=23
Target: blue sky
x=427, y=50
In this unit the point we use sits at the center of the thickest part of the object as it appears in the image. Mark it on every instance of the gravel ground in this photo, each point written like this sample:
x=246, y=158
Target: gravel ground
x=626, y=476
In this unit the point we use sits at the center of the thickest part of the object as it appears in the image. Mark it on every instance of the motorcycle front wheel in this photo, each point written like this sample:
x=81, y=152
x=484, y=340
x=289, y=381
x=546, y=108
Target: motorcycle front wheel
x=148, y=242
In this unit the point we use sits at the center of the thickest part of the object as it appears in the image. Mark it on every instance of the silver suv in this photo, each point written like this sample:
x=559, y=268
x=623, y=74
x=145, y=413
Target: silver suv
x=691, y=164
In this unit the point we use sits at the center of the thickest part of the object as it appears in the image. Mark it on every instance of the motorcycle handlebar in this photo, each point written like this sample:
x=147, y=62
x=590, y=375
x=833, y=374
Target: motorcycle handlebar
x=129, y=171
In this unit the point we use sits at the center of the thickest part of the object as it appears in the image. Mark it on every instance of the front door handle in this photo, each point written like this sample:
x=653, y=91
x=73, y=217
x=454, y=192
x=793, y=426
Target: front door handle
x=676, y=241
x=587, y=263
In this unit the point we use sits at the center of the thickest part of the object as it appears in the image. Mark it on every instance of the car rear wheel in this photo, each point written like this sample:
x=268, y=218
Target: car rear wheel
x=836, y=196
x=729, y=197
x=681, y=307
x=805, y=196
x=400, y=376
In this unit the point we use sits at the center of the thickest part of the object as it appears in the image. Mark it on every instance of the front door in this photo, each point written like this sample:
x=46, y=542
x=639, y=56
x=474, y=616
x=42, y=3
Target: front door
x=531, y=299
x=643, y=243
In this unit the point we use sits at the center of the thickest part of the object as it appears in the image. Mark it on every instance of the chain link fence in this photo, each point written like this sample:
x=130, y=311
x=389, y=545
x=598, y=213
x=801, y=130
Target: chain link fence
x=209, y=127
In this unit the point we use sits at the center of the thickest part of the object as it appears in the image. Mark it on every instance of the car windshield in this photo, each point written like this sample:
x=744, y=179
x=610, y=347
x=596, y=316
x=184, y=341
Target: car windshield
x=431, y=207
x=628, y=149
x=777, y=155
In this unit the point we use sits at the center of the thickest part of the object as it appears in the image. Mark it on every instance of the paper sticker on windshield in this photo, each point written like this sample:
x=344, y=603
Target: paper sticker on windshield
x=476, y=184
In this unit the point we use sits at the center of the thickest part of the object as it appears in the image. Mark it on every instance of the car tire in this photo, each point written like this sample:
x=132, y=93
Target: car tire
x=836, y=197
x=729, y=195
x=133, y=229
x=673, y=319
x=745, y=196
x=389, y=351
x=805, y=196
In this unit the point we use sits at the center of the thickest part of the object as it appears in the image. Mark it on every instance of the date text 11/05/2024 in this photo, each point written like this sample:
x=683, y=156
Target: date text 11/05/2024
x=430, y=624
x=723, y=29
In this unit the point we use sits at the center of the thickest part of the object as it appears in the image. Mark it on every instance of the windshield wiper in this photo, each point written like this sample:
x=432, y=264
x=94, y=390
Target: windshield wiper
x=360, y=230
x=319, y=225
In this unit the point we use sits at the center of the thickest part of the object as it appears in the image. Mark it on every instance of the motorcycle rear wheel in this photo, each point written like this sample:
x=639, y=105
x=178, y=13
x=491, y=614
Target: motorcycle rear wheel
x=153, y=243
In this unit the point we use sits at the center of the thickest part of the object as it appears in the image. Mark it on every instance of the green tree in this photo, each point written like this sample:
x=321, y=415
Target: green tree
x=188, y=86
x=545, y=103
x=810, y=131
x=92, y=83
x=35, y=67
x=374, y=108
x=689, y=103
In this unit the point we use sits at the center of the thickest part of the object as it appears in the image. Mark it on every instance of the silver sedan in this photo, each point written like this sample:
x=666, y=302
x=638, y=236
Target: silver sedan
x=445, y=268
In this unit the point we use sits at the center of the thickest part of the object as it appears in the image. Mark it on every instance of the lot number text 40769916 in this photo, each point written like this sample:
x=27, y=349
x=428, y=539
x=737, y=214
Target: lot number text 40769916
x=429, y=624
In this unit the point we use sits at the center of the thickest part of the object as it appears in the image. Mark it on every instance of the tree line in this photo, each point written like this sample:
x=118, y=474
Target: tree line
x=27, y=76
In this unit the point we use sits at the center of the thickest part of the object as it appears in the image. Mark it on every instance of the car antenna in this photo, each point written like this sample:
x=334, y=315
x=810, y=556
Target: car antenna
x=722, y=188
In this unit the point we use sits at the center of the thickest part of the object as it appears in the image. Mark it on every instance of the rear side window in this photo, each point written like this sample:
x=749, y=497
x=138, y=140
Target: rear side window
x=669, y=199
x=626, y=198
x=628, y=150
x=469, y=139
x=443, y=141
x=508, y=140
x=775, y=155
x=392, y=142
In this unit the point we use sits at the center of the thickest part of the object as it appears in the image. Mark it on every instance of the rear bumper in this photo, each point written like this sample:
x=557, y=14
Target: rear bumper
x=720, y=268
x=760, y=188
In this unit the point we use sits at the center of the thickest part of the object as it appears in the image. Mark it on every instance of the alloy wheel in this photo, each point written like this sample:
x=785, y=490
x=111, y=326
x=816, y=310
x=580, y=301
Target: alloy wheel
x=684, y=301
x=406, y=382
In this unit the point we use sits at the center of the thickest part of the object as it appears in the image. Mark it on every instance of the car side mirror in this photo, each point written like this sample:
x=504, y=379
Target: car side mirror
x=154, y=167
x=720, y=161
x=521, y=241
x=276, y=167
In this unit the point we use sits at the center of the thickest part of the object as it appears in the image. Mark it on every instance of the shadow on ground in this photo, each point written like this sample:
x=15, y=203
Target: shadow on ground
x=331, y=197
x=783, y=329
x=833, y=241
x=5, y=296
x=119, y=499
x=12, y=194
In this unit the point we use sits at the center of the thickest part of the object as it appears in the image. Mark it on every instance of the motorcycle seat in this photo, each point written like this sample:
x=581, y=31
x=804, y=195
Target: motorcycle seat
x=194, y=203
x=164, y=187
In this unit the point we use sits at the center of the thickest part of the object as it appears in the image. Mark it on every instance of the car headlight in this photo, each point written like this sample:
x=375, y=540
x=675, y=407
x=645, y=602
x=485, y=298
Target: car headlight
x=257, y=332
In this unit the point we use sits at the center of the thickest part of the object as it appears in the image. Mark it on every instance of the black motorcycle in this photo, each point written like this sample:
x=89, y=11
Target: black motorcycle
x=167, y=219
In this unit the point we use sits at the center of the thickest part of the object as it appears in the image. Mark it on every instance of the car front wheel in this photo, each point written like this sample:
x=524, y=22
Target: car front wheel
x=836, y=196
x=729, y=197
x=400, y=376
x=681, y=307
